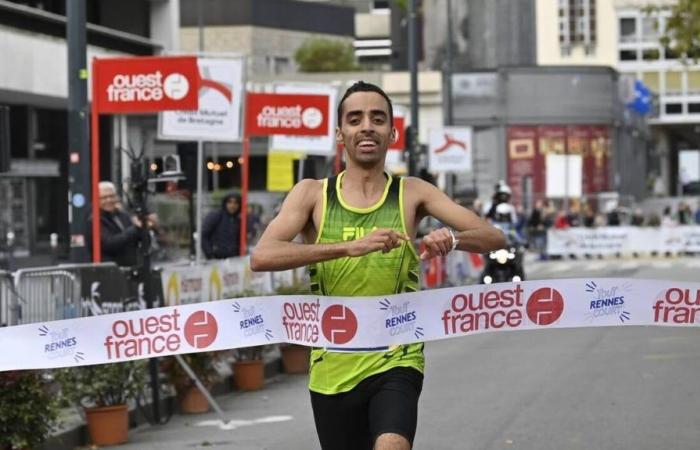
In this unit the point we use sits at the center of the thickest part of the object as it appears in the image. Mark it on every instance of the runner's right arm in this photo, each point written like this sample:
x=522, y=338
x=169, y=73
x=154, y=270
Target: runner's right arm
x=276, y=251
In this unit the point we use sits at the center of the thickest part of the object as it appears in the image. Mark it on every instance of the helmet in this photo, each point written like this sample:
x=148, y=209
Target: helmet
x=502, y=193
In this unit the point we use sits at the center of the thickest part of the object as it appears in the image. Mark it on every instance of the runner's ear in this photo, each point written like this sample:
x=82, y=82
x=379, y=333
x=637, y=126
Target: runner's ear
x=394, y=135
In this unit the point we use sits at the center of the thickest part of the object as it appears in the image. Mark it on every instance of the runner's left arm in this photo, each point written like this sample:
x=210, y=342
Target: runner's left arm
x=472, y=233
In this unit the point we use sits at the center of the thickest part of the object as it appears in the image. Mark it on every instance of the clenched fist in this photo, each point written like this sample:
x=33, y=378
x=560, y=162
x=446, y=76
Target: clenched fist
x=438, y=243
x=383, y=239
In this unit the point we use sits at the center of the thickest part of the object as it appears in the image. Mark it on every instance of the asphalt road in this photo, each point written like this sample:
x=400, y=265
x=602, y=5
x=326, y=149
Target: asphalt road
x=603, y=388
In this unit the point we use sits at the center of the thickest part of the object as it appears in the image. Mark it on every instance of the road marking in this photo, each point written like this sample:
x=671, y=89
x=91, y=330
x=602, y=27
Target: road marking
x=597, y=265
x=233, y=424
x=670, y=356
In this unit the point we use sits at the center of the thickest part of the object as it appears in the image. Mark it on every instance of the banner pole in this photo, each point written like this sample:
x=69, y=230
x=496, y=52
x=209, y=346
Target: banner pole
x=244, y=192
x=95, y=167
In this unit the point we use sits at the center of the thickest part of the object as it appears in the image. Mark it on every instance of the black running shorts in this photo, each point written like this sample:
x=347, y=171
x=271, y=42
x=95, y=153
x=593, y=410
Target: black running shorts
x=383, y=403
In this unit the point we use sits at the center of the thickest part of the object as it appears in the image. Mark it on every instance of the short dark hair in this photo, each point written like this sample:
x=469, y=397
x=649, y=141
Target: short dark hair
x=361, y=86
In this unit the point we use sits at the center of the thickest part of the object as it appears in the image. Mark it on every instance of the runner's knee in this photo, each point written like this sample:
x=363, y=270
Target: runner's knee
x=391, y=441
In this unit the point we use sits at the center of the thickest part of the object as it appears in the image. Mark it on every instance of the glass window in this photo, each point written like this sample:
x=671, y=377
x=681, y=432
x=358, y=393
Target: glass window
x=694, y=108
x=650, y=29
x=651, y=80
x=694, y=82
x=628, y=29
x=674, y=84
x=628, y=55
x=670, y=54
x=650, y=54
x=674, y=108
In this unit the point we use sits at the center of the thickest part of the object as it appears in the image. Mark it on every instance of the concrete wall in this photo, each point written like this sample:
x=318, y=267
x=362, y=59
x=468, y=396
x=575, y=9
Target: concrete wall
x=39, y=67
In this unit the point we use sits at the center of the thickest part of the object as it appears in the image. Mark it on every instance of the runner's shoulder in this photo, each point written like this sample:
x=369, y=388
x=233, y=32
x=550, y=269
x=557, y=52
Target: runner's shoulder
x=307, y=190
x=416, y=188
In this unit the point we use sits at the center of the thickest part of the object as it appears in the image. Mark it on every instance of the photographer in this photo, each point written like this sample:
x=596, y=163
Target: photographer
x=120, y=233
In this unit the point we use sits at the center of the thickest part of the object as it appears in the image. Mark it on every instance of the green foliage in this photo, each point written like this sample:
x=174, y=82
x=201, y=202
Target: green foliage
x=682, y=33
x=102, y=384
x=325, y=55
x=27, y=410
x=203, y=364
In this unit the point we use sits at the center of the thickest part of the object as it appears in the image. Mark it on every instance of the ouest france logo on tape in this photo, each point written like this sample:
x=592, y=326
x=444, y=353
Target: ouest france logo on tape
x=501, y=308
x=155, y=334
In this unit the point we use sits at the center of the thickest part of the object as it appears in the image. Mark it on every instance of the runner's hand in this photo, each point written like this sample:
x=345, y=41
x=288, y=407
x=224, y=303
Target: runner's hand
x=437, y=243
x=383, y=239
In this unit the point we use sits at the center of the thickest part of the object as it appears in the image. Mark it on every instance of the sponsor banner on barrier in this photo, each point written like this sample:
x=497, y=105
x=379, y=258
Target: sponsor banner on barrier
x=350, y=323
x=215, y=280
x=612, y=240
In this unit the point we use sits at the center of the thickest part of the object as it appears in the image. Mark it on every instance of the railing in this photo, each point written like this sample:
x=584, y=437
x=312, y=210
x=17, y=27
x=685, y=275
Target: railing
x=7, y=298
x=45, y=294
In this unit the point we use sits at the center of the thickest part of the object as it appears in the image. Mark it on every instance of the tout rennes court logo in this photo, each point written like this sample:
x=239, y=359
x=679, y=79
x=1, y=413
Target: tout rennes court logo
x=159, y=333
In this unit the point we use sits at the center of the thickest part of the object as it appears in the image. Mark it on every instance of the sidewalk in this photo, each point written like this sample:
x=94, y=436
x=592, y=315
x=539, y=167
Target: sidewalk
x=280, y=414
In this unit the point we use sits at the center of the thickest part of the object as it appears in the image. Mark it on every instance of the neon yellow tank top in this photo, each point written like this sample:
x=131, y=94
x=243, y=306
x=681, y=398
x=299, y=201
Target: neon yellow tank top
x=374, y=274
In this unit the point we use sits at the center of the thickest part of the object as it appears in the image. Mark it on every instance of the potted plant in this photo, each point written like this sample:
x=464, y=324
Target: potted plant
x=27, y=410
x=190, y=399
x=249, y=368
x=103, y=391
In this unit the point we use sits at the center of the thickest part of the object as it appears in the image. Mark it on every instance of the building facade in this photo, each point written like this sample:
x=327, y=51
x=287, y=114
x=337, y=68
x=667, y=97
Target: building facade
x=33, y=193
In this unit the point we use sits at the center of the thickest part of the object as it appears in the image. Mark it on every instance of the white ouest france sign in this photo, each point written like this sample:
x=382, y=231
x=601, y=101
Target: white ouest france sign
x=450, y=149
x=218, y=118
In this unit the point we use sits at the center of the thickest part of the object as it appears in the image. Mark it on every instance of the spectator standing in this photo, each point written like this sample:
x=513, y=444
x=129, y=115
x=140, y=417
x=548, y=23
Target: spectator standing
x=637, y=219
x=221, y=229
x=667, y=219
x=120, y=233
x=588, y=216
x=536, y=227
x=697, y=215
x=685, y=215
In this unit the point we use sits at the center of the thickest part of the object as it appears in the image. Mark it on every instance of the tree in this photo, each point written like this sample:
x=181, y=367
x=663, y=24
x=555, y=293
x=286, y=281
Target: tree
x=325, y=55
x=682, y=32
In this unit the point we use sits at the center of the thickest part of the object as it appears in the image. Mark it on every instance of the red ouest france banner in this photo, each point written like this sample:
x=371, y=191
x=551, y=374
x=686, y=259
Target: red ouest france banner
x=287, y=114
x=145, y=84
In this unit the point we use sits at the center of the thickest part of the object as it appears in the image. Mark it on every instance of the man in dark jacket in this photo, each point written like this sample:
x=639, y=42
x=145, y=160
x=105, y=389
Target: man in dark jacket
x=120, y=233
x=221, y=230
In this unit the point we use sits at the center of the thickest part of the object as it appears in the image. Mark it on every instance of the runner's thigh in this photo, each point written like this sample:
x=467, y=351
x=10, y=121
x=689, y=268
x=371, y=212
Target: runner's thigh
x=393, y=407
x=341, y=420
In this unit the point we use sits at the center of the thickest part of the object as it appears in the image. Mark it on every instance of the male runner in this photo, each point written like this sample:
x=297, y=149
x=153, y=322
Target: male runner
x=358, y=228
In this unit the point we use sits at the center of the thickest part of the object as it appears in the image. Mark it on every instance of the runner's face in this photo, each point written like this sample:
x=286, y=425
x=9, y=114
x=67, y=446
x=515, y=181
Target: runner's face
x=366, y=129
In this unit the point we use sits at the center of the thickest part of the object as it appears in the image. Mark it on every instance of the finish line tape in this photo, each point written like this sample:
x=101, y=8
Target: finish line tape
x=350, y=323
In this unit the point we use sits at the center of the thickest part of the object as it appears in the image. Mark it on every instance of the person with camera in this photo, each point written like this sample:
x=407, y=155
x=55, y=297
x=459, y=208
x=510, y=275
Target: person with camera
x=120, y=233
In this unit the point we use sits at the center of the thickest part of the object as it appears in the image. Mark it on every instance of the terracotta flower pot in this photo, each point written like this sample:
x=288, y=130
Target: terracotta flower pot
x=249, y=375
x=108, y=425
x=295, y=358
x=192, y=401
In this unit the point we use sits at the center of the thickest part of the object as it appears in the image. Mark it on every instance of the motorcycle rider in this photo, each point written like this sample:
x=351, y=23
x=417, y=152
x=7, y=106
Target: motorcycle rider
x=502, y=214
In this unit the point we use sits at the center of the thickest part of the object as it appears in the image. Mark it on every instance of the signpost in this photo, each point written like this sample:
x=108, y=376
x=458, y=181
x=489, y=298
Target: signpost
x=450, y=149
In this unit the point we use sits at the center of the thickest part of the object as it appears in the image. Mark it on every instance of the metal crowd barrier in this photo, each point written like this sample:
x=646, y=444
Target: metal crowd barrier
x=8, y=299
x=46, y=294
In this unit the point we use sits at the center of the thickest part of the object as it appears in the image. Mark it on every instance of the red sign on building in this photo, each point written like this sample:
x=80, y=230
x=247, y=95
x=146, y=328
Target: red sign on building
x=145, y=84
x=287, y=114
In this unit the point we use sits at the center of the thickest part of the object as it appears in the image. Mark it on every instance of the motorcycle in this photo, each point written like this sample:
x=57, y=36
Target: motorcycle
x=506, y=264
